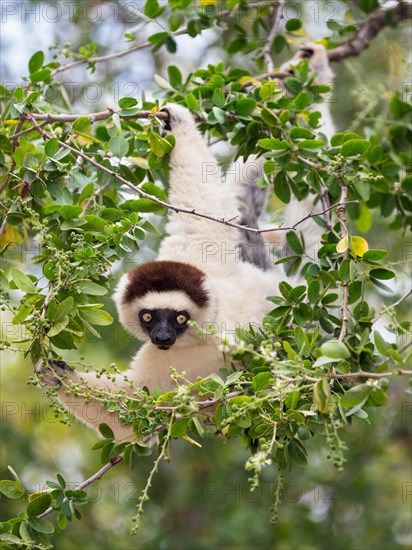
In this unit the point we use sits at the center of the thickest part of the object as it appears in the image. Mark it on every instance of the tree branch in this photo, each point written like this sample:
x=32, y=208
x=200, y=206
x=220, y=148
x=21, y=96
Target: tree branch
x=115, y=460
x=341, y=213
x=144, y=45
x=396, y=304
x=177, y=209
x=267, y=49
x=374, y=23
x=102, y=115
x=7, y=177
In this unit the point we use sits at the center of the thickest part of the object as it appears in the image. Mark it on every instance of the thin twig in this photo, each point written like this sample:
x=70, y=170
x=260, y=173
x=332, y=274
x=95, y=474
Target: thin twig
x=341, y=213
x=47, y=300
x=7, y=177
x=396, y=304
x=176, y=209
x=115, y=460
x=3, y=225
x=144, y=45
x=267, y=48
x=99, y=191
x=405, y=347
x=324, y=199
x=102, y=115
x=24, y=132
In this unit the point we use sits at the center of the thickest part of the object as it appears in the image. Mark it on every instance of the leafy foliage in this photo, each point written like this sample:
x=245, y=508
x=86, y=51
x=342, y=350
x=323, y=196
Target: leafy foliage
x=81, y=191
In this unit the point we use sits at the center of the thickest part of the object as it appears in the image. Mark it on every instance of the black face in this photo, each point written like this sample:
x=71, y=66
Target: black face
x=164, y=326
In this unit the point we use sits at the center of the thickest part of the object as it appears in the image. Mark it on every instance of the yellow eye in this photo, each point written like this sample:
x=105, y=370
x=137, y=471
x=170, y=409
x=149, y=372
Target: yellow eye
x=146, y=317
x=181, y=319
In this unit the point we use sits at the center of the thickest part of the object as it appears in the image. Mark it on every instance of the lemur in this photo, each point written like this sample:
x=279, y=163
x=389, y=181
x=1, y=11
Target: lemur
x=188, y=282
x=156, y=300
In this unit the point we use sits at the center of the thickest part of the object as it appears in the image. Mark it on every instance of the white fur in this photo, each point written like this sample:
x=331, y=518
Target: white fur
x=237, y=290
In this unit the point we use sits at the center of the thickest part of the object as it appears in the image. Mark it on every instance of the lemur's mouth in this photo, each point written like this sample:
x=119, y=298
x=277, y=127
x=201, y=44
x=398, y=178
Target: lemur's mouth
x=163, y=347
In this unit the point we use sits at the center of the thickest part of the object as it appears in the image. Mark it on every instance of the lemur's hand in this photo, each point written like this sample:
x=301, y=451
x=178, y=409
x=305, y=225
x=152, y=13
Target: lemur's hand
x=178, y=115
x=53, y=373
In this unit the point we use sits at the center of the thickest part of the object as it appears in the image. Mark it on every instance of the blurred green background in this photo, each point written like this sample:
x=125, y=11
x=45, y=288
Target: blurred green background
x=201, y=499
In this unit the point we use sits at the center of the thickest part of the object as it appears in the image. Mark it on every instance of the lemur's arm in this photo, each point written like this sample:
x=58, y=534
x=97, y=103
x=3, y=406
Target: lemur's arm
x=72, y=388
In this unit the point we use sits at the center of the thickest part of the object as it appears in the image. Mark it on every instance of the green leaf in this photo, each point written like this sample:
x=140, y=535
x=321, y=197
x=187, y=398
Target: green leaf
x=322, y=397
x=176, y=20
x=94, y=223
x=273, y=144
x=245, y=106
x=335, y=349
x=40, y=76
x=106, y=452
x=354, y=147
x=162, y=83
x=175, y=76
x=382, y=273
x=22, y=281
x=268, y=91
x=191, y=102
x=70, y=212
x=118, y=146
x=301, y=133
x=58, y=327
x=297, y=453
x=63, y=309
x=96, y=317
x=159, y=146
x=170, y=44
x=51, y=147
x=39, y=504
x=294, y=242
x=61, y=481
x=377, y=398
x=141, y=450
x=355, y=291
x=375, y=255
x=355, y=396
x=313, y=291
x=311, y=144
x=5, y=144
x=62, y=522
x=262, y=380
x=92, y=289
x=179, y=427
x=106, y=431
x=219, y=97
x=36, y=61
x=293, y=84
x=383, y=347
x=12, y=489
x=127, y=102
x=293, y=25
x=151, y=8
x=344, y=270
x=82, y=125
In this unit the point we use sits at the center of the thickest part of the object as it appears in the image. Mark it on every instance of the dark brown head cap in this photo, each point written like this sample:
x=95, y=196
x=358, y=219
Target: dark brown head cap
x=166, y=276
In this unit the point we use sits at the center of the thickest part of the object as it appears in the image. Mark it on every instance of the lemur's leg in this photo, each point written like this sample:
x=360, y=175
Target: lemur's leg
x=72, y=388
x=243, y=177
x=196, y=183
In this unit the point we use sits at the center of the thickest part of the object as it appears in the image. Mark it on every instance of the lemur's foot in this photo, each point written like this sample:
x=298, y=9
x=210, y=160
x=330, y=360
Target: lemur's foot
x=53, y=373
x=177, y=115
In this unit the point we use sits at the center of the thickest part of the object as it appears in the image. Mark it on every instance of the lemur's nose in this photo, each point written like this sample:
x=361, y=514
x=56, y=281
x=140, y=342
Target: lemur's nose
x=163, y=341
